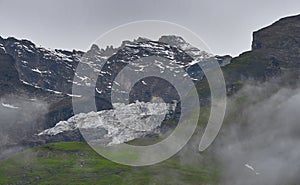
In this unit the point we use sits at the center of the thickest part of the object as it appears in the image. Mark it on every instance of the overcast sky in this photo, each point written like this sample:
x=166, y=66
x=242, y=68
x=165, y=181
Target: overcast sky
x=225, y=25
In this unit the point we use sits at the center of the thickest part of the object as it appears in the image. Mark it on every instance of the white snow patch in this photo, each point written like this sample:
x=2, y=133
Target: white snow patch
x=2, y=48
x=251, y=168
x=9, y=106
x=39, y=71
x=56, y=92
x=144, y=82
x=99, y=91
x=117, y=83
x=35, y=86
x=74, y=95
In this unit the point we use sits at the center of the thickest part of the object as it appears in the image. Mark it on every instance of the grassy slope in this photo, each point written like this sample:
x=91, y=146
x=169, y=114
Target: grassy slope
x=77, y=163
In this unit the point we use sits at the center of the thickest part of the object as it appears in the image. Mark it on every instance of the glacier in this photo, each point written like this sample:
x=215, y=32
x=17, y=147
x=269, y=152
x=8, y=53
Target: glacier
x=123, y=123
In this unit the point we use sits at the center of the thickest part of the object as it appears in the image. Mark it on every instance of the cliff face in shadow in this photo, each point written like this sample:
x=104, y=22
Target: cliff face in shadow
x=275, y=51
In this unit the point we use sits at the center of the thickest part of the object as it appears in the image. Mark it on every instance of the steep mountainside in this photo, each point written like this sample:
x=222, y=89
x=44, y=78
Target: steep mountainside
x=275, y=52
x=34, y=72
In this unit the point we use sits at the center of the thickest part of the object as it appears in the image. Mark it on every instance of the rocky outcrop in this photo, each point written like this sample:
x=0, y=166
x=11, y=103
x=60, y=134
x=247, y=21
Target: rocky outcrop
x=275, y=50
x=9, y=77
x=280, y=42
x=283, y=34
x=40, y=67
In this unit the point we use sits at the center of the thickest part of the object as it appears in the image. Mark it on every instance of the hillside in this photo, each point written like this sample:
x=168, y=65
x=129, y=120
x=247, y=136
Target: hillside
x=77, y=163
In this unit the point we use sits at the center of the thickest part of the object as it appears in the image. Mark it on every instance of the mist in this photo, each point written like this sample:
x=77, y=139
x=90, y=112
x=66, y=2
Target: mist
x=259, y=141
x=20, y=118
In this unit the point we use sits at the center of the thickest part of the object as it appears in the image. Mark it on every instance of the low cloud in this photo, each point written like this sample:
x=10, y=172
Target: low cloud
x=20, y=118
x=259, y=142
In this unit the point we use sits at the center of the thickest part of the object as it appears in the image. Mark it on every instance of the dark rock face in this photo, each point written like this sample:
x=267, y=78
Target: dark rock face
x=280, y=42
x=154, y=86
x=41, y=67
x=54, y=70
x=33, y=71
x=283, y=34
x=275, y=49
x=9, y=79
x=10, y=82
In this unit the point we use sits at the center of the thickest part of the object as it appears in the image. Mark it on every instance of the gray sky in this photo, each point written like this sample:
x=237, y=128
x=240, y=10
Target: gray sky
x=225, y=25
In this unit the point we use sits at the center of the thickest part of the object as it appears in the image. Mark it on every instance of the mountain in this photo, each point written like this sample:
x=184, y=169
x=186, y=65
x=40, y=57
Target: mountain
x=48, y=74
x=34, y=72
x=54, y=70
x=39, y=67
x=274, y=54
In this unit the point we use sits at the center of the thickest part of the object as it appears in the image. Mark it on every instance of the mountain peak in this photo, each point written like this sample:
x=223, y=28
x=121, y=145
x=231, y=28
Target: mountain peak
x=141, y=39
x=95, y=47
x=176, y=41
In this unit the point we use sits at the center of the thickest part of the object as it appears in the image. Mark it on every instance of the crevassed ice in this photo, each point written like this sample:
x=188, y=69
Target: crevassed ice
x=118, y=125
